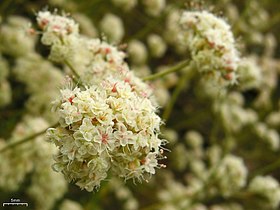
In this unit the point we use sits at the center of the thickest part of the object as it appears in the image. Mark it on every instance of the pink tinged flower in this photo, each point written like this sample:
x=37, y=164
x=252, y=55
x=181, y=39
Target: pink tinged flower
x=104, y=137
x=150, y=163
x=123, y=136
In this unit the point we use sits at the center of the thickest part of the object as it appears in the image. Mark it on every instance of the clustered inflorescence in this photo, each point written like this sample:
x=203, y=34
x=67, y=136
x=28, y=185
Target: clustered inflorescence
x=211, y=45
x=111, y=125
x=105, y=124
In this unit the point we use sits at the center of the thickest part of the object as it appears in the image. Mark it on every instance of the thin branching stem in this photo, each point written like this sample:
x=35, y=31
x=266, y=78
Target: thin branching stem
x=76, y=78
x=26, y=139
x=175, y=68
x=267, y=169
x=180, y=86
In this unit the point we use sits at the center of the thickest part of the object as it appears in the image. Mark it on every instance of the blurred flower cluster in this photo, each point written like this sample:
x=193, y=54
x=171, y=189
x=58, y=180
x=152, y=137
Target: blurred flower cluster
x=140, y=104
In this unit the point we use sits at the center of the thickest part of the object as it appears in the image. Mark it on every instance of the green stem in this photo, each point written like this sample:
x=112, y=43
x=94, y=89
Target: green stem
x=175, y=68
x=29, y=138
x=76, y=78
x=267, y=169
x=180, y=86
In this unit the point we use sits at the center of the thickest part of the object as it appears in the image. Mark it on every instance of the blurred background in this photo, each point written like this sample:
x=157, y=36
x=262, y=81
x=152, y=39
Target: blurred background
x=218, y=146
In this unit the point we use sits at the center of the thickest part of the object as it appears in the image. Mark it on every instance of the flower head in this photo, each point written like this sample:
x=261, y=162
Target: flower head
x=106, y=127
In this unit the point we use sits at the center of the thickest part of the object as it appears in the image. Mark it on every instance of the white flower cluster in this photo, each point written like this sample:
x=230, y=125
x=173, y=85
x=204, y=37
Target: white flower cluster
x=70, y=205
x=5, y=89
x=113, y=28
x=267, y=135
x=232, y=110
x=33, y=68
x=250, y=73
x=19, y=158
x=14, y=37
x=267, y=189
x=172, y=29
x=56, y=27
x=17, y=163
x=231, y=175
x=47, y=186
x=86, y=26
x=137, y=52
x=156, y=45
x=154, y=7
x=59, y=32
x=106, y=127
x=93, y=59
x=212, y=46
x=125, y=4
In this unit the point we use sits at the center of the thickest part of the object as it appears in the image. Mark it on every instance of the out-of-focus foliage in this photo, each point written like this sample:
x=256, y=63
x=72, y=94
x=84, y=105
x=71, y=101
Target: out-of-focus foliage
x=224, y=141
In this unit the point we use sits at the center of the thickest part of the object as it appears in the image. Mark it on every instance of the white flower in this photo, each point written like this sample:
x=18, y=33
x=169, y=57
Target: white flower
x=211, y=44
x=113, y=27
x=137, y=52
x=231, y=175
x=125, y=4
x=154, y=7
x=118, y=132
x=267, y=189
x=156, y=45
x=87, y=129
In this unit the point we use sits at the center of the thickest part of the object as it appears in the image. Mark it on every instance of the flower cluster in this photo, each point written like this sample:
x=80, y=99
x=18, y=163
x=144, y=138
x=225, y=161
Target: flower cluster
x=14, y=39
x=154, y=7
x=5, y=89
x=32, y=68
x=267, y=189
x=46, y=186
x=231, y=175
x=211, y=44
x=113, y=28
x=106, y=127
x=250, y=73
x=93, y=59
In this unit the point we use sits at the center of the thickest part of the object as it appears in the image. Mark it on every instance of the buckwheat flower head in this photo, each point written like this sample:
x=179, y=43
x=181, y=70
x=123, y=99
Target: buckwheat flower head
x=4, y=68
x=193, y=139
x=105, y=128
x=86, y=26
x=179, y=158
x=46, y=185
x=125, y=4
x=172, y=29
x=273, y=119
x=70, y=205
x=112, y=26
x=59, y=32
x=56, y=28
x=267, y=135
x=268, y=191
x=154, y=7
x=5, y=89
x=34, y=68
x=5, y=93
x=137, y=52
x=22, y=157
x=231, y=175
x=227, y=206
x=250, y=73
x=93, y=59
x=156, y=45
x=232, y=110
x=14, y=38
x=211, y=44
